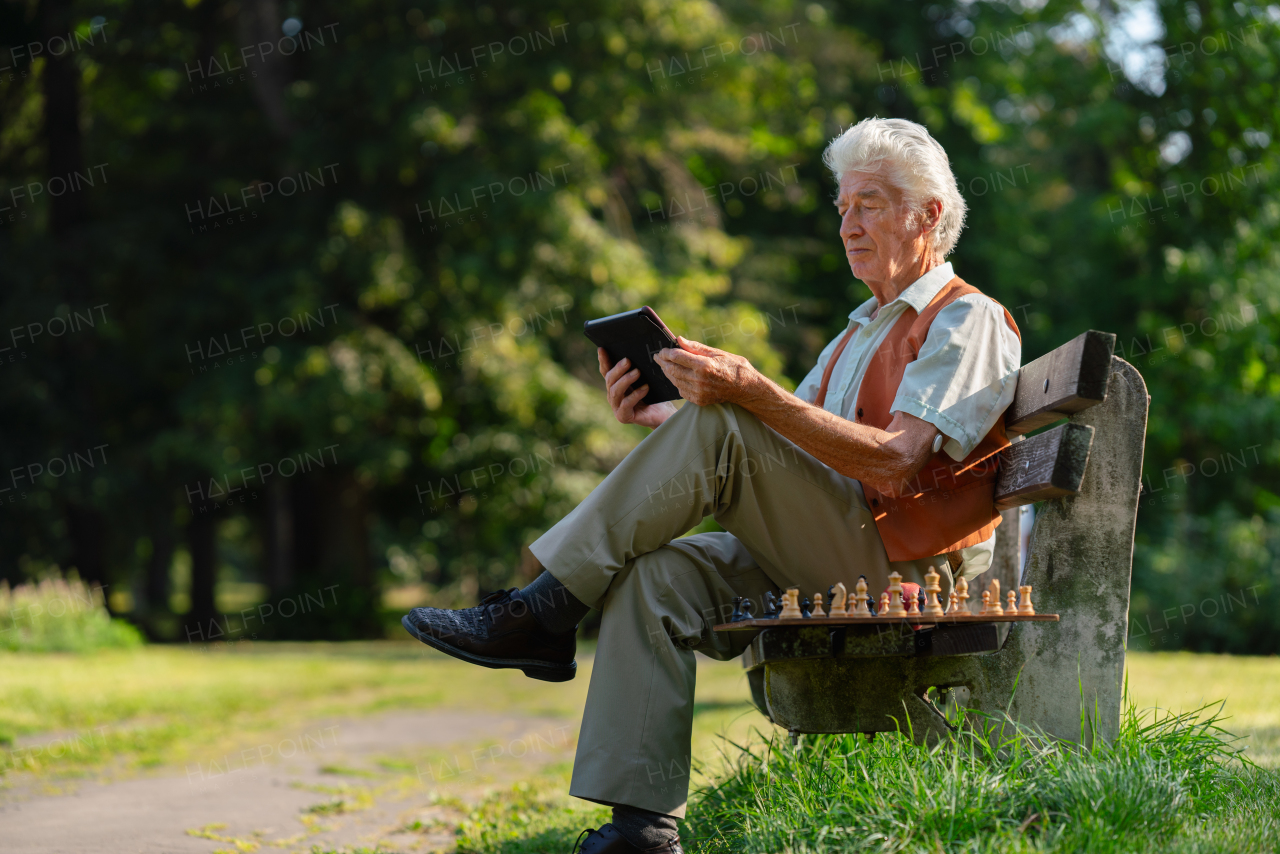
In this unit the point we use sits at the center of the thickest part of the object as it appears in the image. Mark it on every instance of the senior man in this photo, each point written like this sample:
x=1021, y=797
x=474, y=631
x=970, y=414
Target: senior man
x=879, y=462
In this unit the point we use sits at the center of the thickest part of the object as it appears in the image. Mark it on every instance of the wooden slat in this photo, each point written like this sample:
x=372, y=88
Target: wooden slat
x=1048, y=465
x=1070, y=379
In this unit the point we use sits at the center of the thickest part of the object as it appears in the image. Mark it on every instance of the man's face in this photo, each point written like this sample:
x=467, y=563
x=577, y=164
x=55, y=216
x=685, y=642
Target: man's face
x=874, y=228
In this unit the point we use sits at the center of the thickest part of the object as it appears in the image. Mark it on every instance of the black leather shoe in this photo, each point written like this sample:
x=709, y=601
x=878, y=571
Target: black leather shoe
x=609, y=840
x=500, y=632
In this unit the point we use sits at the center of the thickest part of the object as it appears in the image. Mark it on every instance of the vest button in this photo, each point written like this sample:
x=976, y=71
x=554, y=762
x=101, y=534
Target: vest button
x=875, y=502
x=859, y=411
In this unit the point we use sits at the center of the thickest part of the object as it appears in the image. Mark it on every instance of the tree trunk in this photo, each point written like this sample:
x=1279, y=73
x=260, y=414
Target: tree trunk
x=202, y=541
x=155, y=584
x=331, y=554
x=88, y=533
x=278, y=538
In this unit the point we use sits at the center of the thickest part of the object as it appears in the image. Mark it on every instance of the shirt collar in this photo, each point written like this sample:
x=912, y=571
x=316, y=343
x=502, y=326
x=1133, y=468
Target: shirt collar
x=918, y=295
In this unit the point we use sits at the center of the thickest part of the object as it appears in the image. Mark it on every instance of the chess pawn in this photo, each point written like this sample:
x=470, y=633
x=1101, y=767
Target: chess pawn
x=746, y=611
x=1026, y=609
x=951, y=602
x=932, y=588
x=883, y=610
x=860, y=599
x=986, y=604
x=818, y=610
x=913, y=606
x=838, y=597
x=962, y=598
x=895, y=597
x=791, y=605
x=1012, y=607
x=736, y=616
x=806, y=608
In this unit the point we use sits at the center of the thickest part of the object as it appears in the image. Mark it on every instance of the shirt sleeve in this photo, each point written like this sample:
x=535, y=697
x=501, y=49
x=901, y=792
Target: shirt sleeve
x=808, y=388
x=965, y=375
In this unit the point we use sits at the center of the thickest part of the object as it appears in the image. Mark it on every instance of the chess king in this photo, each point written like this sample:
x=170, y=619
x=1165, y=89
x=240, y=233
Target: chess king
x=882, y=460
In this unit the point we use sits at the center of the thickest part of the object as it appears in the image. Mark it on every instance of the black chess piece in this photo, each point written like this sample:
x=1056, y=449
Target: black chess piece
x=871, y=603
x=806, y=609
x=770, y=606
x=922, y=599
x=736, y=616
x=746, y=610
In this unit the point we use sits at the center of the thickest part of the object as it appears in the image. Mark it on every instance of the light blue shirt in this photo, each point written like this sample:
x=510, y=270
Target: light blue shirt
x=963, y=378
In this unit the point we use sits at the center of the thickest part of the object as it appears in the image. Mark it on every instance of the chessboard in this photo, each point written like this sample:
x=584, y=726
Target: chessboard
x=917, y=608
x=913, y=620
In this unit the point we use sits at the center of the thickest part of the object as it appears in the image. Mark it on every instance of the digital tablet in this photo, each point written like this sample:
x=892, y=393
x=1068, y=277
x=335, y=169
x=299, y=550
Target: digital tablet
x=637, y=335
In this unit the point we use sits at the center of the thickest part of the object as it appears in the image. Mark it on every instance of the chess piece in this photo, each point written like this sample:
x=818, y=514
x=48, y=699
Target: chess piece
x=991, y=601
x=791, y=605
x=860, y=599
x=806, y=608
x=770, y=606
x=818, y=610
x=883, y=610
x=932, y=607
x=962, y=598
x=1026, y=609
x=913, y=605
x=951, y=602
x=736, y=616
x=895, y=597
x=838, y=599
x=746, y=610
x=1012, y=607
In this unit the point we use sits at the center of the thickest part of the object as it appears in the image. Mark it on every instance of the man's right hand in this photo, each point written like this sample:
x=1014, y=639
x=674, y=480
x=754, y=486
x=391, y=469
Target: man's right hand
x=627, y=408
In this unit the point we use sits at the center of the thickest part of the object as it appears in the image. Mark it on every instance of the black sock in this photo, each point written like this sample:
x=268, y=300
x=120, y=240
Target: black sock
x=553, y=606
x=642, y=828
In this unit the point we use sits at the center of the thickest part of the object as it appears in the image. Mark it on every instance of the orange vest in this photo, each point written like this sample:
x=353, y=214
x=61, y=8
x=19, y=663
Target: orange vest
x=949, y=505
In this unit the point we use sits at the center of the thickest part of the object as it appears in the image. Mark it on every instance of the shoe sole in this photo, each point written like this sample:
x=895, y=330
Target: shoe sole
x=532, y=668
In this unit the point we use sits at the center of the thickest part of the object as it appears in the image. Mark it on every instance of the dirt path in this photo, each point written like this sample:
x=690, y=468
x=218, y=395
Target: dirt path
x=386, y=779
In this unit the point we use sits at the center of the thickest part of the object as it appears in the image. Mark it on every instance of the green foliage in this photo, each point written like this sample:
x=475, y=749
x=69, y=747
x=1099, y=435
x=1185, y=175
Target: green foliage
x=461, y=405
x=60, y=615
x=1168, y=783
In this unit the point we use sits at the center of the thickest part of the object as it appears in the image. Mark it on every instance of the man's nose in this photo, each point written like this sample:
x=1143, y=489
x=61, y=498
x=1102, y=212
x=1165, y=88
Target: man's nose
x=850, y=227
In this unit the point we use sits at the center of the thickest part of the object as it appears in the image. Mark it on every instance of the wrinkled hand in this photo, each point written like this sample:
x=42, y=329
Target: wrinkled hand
x=627, y=408
x=706, y=375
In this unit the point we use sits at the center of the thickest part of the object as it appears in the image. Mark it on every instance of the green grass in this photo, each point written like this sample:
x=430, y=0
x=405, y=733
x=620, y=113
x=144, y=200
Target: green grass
x=173, y=705
x=1167, y=784
x=59, y=615
x=1166, y=787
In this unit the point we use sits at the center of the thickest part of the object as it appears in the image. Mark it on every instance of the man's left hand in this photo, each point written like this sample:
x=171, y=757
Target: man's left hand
x=706, y=375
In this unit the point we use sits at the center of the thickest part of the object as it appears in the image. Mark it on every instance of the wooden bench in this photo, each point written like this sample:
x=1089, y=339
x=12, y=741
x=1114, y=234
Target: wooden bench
x=1068, y=675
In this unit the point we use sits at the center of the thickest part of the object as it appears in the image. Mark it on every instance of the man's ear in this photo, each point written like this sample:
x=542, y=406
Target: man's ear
x=931, y=215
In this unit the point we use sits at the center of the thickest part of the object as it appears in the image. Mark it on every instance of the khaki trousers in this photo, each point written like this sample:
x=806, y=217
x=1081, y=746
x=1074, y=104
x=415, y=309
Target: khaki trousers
x=792, y=521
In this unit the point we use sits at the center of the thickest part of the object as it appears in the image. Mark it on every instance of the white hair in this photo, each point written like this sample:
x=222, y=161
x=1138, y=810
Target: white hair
x=913, y=162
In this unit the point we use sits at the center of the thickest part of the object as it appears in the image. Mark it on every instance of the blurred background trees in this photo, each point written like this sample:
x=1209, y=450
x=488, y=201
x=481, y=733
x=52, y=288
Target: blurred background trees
x=304, y=281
